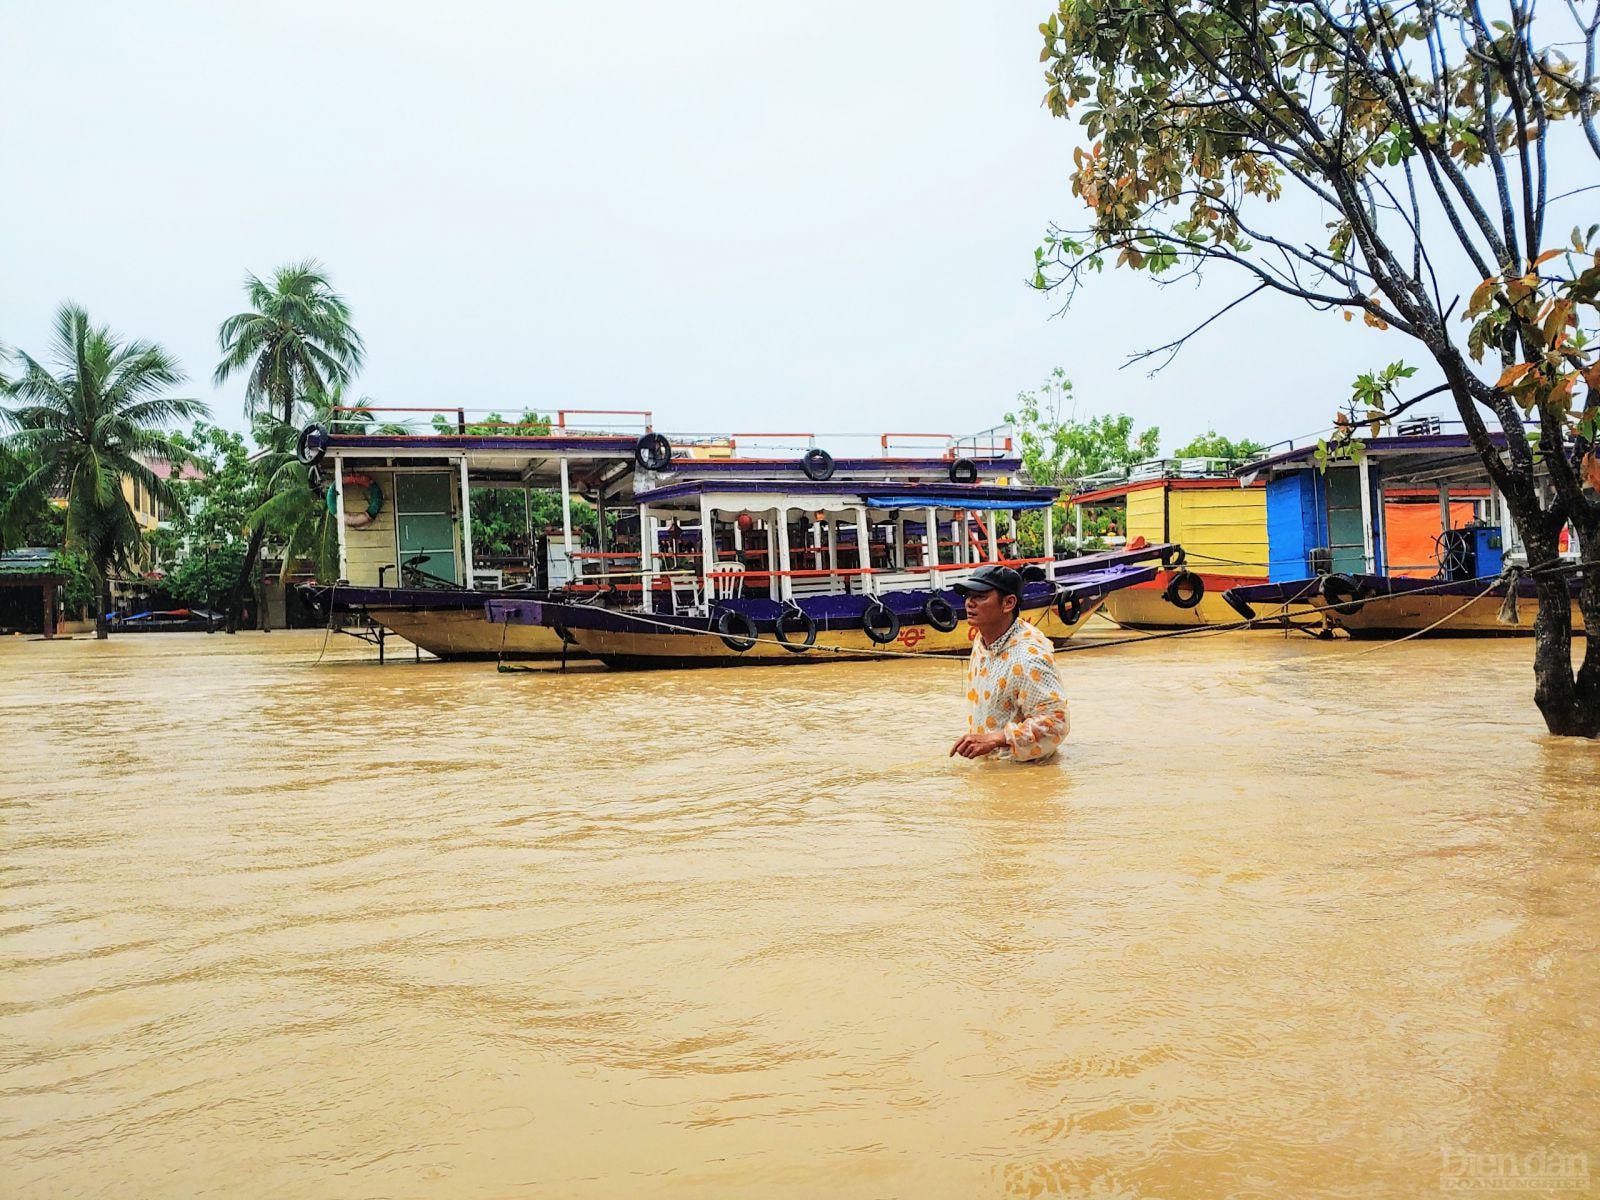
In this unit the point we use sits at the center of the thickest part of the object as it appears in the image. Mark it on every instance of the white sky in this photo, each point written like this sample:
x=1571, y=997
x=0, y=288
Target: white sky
x=811, y=217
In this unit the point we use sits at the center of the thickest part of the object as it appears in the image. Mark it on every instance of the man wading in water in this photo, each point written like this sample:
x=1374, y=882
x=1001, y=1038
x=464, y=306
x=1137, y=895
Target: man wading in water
x=1016, y=707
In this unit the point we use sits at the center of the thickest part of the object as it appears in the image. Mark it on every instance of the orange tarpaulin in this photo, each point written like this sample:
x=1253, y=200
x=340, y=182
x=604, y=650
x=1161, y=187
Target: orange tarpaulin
x=1411, y=530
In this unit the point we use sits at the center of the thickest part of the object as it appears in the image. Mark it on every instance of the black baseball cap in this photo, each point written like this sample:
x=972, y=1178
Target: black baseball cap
x=991, y=578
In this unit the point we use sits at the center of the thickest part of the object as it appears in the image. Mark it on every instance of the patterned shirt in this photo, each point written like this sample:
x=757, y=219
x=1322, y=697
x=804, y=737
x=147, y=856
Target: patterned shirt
x=1013, y=685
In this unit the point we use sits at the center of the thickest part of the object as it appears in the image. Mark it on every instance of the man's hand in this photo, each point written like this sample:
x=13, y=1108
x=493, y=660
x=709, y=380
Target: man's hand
x=976, y=745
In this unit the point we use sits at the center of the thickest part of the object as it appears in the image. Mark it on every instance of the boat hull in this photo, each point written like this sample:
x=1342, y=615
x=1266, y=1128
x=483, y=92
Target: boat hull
x=468, y=634
x=448, y=623
x=1144, y=605
x=655, y=639
x=1397, y=606
x=643, y=647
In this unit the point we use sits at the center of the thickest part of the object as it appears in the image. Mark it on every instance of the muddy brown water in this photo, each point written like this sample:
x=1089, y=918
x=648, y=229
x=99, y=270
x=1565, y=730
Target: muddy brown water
x=1285, y=922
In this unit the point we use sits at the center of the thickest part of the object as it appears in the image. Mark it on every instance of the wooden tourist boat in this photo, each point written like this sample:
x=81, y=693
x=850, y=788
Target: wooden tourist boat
x=757, y=569
x=405, y=520
x=1331, y=545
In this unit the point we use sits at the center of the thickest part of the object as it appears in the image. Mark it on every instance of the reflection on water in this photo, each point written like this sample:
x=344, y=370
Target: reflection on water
x=1283, y=922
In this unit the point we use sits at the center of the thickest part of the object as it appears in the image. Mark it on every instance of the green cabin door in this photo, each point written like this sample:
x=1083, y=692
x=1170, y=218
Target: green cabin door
x=1345, y=537
x=424, y=523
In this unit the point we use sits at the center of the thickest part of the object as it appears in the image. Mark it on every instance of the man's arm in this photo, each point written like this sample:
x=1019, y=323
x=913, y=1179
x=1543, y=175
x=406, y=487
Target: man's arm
x=1040, y=732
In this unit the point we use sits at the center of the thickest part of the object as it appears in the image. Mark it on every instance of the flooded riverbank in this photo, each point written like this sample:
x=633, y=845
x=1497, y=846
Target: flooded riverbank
x=1286, y=921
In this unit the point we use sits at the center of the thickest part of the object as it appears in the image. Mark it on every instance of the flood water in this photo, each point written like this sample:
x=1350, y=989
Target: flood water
x=1288, y=920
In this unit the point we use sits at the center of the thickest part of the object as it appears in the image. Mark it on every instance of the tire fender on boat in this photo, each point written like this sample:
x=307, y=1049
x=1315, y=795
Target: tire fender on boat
x=881, y=623
x=939, y=613
x=785, y=627
x=963, y=470
x=1184, y=590
x=738, y=631
x=1069, y=608
x=1342, y=594
x=653, y=452
x=1174, y=556
x=817, y=463
x=311, y=445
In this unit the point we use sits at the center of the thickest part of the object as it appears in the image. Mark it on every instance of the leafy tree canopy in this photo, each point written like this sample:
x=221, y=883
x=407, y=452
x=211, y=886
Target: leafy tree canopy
x=1212, y=444
x=1437, y=152
x=1057, y=448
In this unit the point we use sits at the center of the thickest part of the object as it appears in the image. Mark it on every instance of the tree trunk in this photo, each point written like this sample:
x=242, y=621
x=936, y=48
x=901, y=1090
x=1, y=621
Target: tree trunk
x=246, y=573
x=1569, y=701
x=102, y=629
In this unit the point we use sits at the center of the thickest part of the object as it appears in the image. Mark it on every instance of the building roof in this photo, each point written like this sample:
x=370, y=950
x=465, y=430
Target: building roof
x=30, y=560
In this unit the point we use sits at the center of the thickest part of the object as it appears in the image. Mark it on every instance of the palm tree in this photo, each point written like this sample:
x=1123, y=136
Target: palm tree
x=87, y=428
x=296, y=340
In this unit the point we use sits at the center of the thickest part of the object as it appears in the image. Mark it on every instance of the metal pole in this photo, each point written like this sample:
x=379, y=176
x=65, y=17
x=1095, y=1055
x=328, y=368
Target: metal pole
x=994, y=535
x=1364, y=475
x=527, y=520
x=338, y=512
x=1444, y=508
x=647, y=556
x=1050, y=539
x=566, y=521
x=1078, y=517
x=930, y=543
x=785, y=584
x=864, y=551
x=708, y=550
x=466, y=527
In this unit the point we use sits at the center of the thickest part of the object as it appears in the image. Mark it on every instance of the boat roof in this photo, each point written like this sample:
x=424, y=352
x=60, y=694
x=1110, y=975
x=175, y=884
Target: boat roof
x=531, y=451
x=1407, y=459
x=760, y=494
x=1154, y=473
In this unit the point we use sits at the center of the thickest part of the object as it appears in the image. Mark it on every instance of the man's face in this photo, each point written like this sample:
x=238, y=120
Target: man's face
x=989, y=610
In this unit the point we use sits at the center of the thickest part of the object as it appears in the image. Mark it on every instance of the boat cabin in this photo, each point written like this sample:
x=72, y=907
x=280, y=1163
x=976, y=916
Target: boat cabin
x=736, y=528
x=1416, y=503
x=403, y=496
x=1195, y=502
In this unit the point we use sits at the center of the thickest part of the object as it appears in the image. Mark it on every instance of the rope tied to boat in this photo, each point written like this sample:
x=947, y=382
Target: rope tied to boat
x=1508, y=614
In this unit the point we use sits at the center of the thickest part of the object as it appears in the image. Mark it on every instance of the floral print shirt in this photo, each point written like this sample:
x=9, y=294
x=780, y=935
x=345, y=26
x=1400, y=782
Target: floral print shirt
x=1012, y=685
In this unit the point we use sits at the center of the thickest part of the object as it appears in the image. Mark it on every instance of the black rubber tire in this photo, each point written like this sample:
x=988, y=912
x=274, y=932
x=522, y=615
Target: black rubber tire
x=1243, y=607
x=738, y=631
x=817, y=463
x=653, y=452
x=808, y=623
x=1184, y=590
x=939, y=613
x=881, y=623
x=963, y=470
x=1174, y=556
x=311, y=445
x=1342, y=594
x=1033, y=573
x=1069, y=608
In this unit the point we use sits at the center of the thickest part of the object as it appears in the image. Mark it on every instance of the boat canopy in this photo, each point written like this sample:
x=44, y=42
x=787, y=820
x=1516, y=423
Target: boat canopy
x=1009, y=504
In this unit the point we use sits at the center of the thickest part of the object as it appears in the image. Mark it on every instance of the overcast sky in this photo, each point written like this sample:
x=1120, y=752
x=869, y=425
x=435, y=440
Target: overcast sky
x=812, y=217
